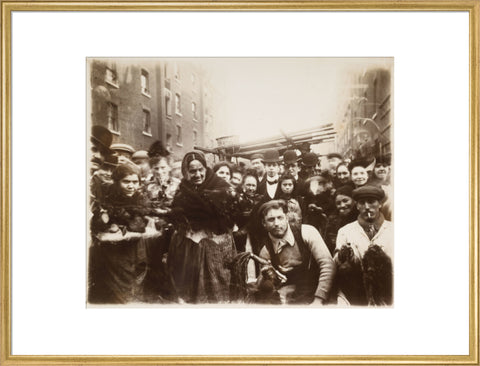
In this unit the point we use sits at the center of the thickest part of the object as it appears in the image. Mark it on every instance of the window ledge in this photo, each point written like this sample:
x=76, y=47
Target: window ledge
x=114, y=132
x=146, y=95
x=179, y=144
x=169, y=116
x=179, y=114
x=146, y=134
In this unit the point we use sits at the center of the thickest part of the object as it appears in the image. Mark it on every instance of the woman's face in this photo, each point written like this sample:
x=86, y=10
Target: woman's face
x=343, y=174
x=236, y=179
x=196, y=172
x=344, y=204
x=129, y=185
x=287, y=186
x=250, y=186
x=224, y=173
x=359, y=176
x=161, y=170
x=381, y=171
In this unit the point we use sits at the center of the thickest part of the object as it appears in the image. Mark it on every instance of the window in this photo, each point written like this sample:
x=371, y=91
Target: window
x=194, y=111
x=169, y=142
x=144, y=83
x=178, y=106
x=179, y=135
x=195, y=138
x=147, y=127
x=168, y=102
x=112, y=117
x=111, y=76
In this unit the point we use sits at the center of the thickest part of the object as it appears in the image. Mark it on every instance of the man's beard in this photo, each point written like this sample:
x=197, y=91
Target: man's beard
x=278, y=236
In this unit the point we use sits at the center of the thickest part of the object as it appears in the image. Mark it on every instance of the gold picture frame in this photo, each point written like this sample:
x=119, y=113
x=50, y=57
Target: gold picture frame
x=470, y=6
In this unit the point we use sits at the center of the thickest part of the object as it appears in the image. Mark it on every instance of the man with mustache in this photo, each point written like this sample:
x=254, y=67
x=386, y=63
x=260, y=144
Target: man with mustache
x=299, y=253
x=370, y=226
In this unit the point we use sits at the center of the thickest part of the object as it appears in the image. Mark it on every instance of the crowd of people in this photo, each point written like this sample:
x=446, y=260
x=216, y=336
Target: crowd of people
x=278, y=229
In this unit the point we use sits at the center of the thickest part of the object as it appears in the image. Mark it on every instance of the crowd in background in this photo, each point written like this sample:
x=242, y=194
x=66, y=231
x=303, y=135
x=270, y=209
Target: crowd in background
x=274, y=229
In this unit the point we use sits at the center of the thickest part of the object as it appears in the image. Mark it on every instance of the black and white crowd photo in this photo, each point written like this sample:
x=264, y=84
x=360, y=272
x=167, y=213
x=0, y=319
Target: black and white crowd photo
x=240, y=182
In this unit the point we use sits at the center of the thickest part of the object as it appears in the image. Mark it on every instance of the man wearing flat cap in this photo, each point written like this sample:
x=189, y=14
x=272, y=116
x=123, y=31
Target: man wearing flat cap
x=370, y=226
x=364, y=253
x=257, y=164
x=271, y=160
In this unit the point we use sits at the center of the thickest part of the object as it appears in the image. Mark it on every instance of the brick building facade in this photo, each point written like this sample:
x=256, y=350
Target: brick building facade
x=144, y=100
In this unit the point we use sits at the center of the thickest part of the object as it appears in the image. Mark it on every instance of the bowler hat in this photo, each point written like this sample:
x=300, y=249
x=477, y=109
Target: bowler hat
x=290, y=157
x=385, y=160
x=110, y=161
x=102, y=137
x=310, y=159
x=368, y=191
x=271, y=156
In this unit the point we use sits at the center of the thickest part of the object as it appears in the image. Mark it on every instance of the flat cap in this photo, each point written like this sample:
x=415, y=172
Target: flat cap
x=368, y=191
x=140, y=154
x=256, y=156
x=334, y=155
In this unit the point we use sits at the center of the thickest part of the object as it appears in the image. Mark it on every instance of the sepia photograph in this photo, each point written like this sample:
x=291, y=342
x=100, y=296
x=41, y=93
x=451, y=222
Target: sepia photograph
x=256, y=181
x=211, y=170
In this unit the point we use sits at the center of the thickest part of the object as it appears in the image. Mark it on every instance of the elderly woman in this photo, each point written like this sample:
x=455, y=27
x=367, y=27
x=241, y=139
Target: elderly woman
x=202, y=246
x=118, y=261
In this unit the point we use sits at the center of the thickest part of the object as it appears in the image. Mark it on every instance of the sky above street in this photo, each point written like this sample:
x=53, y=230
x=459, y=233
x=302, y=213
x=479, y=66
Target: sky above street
x=261, y=96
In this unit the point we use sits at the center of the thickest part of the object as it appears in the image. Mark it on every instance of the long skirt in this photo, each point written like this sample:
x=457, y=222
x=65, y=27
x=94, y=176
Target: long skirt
x=117, y=271
x=201, y=272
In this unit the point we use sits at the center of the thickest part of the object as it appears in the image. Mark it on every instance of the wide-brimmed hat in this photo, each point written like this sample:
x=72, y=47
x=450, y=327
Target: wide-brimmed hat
x=368, y=191
x=310, y=159
x=290, y=157
x=271, y=156
x=101, y=137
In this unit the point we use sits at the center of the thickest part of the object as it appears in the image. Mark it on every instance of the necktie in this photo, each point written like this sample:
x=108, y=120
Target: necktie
x=371, y=231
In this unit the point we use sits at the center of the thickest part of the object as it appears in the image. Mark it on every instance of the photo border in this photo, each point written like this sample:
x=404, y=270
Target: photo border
x=472, y=7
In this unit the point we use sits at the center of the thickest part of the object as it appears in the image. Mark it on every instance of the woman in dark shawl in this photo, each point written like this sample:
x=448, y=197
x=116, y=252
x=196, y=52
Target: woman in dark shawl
x=202, y=246
x=118, y=259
